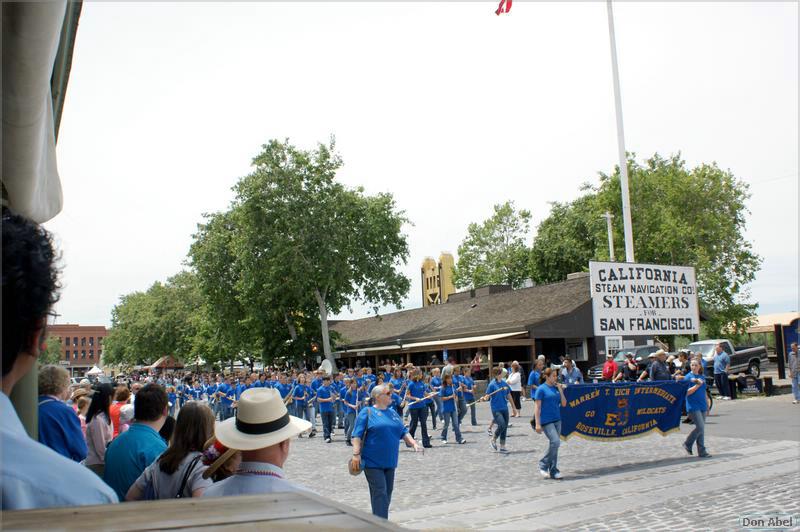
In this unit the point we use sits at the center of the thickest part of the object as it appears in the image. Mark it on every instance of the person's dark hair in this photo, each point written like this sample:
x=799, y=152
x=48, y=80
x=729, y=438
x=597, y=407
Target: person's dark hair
x=30, y=283
x=101, y=401
x=195, y=426
x=150, y=403
x=167, y=428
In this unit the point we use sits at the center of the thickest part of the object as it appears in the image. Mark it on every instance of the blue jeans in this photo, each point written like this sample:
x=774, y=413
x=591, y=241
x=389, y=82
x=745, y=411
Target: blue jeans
x=349, y=425
x=419, y=416
x=796, y=387
x=448, y=418
x=721, y=382
x=328, y=419
x=438, y=401
x=501, y=420
x=473, y=416
x=338, y=407
x=549, y=461
x=698, y=433
x=226, y=411
x=381, y=484
x=462, y=409
x=432, y=408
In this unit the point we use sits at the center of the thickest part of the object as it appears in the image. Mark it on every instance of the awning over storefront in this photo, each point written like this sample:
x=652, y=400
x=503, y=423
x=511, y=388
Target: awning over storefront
x=766, y=322
x=465, y=340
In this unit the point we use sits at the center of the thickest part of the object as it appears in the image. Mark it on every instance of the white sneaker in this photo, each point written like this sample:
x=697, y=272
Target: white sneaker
x=557, y=476
x=444, y=442
x=795, y=402
x=545, y=474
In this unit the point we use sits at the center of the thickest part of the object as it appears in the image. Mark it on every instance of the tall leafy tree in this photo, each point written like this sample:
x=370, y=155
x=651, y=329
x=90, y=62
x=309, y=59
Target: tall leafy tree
x=52, y=354
x=683, y=216
x=161, y=321
x=495, y=251
x=309, y=241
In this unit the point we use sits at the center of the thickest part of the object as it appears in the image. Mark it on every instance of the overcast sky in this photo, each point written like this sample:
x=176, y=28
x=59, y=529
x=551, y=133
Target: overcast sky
x=445, y=105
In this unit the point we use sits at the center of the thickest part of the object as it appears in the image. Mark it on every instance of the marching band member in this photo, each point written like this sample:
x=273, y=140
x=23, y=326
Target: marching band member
x=351, y=407
x=341, y=388
x=498, y=392
x=448, y=396
x=325, y=398
x=547, y=414
x=417, y=390
x=469, y=394
x=436, y=385
x=430, y=402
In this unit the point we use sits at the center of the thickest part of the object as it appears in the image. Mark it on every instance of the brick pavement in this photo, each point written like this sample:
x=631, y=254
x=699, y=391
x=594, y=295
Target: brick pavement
x=469, y=486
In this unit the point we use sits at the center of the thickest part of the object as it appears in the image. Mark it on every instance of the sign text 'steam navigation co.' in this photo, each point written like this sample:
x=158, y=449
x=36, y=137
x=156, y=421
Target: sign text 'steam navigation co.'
x=643, y=299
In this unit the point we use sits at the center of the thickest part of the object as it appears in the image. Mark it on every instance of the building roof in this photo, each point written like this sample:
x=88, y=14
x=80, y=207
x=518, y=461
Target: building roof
x=493, y=313
x=767, y=322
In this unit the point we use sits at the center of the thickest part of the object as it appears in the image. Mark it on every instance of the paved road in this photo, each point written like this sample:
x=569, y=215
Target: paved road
x=644, y=483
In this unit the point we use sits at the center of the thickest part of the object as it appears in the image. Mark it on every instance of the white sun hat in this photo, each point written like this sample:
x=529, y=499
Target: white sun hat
x=261, y=421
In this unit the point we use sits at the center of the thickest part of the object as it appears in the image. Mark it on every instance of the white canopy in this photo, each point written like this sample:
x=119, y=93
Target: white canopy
x=95, y=371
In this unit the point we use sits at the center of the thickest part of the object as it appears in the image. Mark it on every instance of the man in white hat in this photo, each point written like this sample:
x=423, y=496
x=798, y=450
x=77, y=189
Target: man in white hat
x=262, y=430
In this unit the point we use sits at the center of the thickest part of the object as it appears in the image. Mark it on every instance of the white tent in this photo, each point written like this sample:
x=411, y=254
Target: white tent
x=95, y=371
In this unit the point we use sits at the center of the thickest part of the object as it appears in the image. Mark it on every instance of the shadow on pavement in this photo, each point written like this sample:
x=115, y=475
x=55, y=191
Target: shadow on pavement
x=644, y=466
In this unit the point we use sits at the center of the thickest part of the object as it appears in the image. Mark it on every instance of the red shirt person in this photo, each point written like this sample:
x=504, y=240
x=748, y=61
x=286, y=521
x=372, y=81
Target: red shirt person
x=609, y=368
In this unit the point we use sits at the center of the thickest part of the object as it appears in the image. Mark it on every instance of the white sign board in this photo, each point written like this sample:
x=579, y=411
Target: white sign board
x=643, y=299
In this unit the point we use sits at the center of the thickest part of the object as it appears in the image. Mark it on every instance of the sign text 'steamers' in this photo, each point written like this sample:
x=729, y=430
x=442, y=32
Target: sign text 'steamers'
x=643, y=299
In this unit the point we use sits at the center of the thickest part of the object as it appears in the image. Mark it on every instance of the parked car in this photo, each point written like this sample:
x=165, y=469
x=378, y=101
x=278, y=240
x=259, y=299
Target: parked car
x=748, y=359
x=640, y=353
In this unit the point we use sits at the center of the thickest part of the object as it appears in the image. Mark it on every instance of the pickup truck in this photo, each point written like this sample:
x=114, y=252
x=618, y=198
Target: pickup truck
x=749, y=359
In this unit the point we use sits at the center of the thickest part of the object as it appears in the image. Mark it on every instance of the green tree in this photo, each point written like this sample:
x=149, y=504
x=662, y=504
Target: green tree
x=306, y=241
x=52, y=353
x=681, y=216
x=161, y=321
x=496, y=251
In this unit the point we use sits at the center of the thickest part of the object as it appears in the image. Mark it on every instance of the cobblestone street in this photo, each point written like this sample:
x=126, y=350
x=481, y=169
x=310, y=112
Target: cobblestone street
x=644, y=483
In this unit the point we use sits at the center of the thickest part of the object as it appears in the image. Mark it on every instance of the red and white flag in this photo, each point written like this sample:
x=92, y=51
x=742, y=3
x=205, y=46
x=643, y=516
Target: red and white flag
x=504, y=7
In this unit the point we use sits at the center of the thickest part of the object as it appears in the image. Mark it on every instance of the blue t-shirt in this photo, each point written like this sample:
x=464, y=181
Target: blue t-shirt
x=397, y=383
x=533, y=381
x=325, y=392
x=129, y=454
x=721, y=363
x=283, y=389
x=498, y=401
x=60, y=429
x=436, y=383
x=299, y=395
x=416, y=389
x=350, y=396
x=448, y=405
x=468, y=384
x=380, y=449
x=551, y=403
x=696, y=401
x=227, y=399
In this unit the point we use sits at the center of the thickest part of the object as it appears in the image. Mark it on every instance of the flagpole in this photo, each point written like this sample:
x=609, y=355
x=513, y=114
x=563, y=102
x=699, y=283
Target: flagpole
x=623, y=160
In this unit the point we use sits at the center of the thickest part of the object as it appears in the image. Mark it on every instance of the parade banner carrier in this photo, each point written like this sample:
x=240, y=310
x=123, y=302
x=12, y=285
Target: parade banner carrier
x=613, y=411
x=643, y=299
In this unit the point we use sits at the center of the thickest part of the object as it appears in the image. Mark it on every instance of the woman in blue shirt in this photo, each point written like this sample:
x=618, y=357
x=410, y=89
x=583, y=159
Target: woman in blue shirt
x=498, y=393
x=379, y=451
x=696, y=407
x=416, y=390
x=430, y=403
x=447, y=394
x=549, y=399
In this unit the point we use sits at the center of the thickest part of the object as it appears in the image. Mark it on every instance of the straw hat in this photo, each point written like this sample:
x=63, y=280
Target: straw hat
x=261, y=421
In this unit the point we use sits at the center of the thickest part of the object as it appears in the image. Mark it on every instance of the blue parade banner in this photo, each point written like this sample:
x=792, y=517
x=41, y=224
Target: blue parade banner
x=614, y=411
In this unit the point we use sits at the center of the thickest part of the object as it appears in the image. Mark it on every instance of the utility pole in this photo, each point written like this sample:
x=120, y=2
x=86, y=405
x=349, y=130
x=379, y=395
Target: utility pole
x=608, y=217
x=623, y=160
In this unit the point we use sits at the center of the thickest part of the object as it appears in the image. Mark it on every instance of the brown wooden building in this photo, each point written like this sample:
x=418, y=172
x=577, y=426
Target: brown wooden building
x=503, y=324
